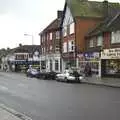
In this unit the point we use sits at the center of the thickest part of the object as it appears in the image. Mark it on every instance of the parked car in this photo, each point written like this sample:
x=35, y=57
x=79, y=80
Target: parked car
x=48, y=75
x=68, y=76
x=31, y=72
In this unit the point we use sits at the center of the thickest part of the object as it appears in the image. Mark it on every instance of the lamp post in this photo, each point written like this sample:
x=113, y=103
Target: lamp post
x=31, y=36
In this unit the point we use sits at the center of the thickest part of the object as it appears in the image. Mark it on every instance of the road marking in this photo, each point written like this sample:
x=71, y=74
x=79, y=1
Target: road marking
x=15, y=113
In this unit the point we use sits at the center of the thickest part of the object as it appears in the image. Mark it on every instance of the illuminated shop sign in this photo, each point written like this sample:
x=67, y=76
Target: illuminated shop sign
x=110, y=53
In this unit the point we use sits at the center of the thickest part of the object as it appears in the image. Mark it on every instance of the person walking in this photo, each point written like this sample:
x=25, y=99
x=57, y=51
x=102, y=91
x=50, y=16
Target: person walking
x=87, y=70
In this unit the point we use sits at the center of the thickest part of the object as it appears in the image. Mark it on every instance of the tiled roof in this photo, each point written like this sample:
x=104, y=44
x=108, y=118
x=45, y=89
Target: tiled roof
x=86, y=8
x=26, y=48
x=55, y=24
x=109, y=24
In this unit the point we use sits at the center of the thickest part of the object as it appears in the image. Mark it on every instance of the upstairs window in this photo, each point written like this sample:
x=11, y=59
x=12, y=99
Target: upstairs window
x=51, y=36
x=57, y=35
x=71, y=46
x=72, y=28
x=64, y=47
x=65, y=31
x=115, y=37
x=51, y=47
x=99, y=41
x=91, y=43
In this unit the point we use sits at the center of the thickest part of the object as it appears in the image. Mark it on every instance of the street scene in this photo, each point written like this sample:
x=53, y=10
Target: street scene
x=59, y=60
x=51, y=100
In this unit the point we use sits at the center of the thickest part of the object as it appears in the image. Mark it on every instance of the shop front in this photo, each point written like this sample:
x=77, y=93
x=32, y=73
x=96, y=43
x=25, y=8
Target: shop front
x=110, y=62
x=91, y=58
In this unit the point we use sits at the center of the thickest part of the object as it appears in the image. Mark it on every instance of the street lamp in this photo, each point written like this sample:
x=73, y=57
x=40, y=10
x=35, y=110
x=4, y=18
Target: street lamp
x=29, y=35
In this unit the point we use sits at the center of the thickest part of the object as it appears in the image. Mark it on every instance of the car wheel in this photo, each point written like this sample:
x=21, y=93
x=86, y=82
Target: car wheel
x=65, y=79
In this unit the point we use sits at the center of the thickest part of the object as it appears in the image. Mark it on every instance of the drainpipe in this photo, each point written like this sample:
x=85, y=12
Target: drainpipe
x=76, y=60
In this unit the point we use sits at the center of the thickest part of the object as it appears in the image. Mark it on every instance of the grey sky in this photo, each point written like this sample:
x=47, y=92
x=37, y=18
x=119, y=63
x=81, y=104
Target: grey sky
x=26, y=16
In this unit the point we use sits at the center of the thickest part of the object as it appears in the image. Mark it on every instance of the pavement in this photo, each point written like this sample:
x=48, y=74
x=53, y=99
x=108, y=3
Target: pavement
x=109, y=82
x=10, y=114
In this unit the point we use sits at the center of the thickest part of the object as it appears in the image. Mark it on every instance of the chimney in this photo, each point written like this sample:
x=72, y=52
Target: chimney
x=59, y=14
x=105, y=8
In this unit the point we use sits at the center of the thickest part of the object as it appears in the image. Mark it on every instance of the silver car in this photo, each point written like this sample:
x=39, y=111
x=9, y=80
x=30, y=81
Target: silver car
x=68, y=76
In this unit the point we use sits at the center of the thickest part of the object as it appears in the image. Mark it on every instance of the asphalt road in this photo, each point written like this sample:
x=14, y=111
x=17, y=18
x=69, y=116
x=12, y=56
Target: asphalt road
x=51, y=100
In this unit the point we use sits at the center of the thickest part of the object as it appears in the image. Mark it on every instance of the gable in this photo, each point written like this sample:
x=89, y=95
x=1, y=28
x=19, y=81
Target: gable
x=68, y=18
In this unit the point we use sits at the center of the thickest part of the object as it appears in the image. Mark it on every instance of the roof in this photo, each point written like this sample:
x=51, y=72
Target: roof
x=86, y=8
x=26, y=48
x=55, y=24
x=109, y=24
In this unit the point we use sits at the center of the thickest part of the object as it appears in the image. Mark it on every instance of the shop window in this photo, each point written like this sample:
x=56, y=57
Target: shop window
x=56, y=65
x=72, y=28
x=43, y=65
x=99, y=41
x=113, y=66
x=115, y=37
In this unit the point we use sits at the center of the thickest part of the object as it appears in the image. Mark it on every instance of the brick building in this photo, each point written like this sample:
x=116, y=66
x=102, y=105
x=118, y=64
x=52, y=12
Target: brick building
x=80, y=21
x=50, y=45
x=105, y=39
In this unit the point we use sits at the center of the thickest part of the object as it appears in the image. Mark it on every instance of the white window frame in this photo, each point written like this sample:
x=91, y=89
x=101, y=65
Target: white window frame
x=51, y=47
x=115, y=37
x=71, y=45
x=99, y=40
x=65, y=31
x=72, y=28
x=91, y=43
x=64, y=47
x=51, y=36
x=57, y=34
x=57, y=63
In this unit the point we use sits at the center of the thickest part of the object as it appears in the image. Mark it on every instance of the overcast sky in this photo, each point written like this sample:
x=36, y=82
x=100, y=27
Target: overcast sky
x=26, y=16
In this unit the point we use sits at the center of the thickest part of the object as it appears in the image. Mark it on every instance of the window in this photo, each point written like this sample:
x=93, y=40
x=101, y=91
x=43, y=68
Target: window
x=65, y=31
x=50, y=36
x=47, y=36
x=56, y=65
x=72, y=28
x=99, y=41
x=71, y=46
x=56, y=48
x=91, y=43
x=115, y=37
x=50, y=47
x=64, y=47
x=57, y=35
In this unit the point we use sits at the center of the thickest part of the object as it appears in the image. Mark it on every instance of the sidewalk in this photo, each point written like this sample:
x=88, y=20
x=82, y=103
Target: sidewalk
x=110, y=82
x=10, y=114
x=5, y=115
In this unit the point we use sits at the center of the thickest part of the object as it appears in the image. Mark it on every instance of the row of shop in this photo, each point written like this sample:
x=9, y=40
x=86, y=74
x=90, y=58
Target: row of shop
x=22, y=65
x=105, y=63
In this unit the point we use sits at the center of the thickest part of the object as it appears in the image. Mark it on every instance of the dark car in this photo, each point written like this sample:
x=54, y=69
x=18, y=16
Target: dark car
x=48, y=75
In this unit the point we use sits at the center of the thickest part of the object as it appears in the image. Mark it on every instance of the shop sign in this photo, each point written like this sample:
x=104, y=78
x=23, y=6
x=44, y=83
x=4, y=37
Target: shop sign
x=111, y=54
x=89, y=56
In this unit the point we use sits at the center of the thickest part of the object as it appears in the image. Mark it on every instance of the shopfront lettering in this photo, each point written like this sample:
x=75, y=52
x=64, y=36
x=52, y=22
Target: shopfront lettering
x=110, y=54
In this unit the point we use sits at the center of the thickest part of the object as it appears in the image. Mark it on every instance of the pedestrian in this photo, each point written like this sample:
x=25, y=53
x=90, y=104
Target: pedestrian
x=87, y=70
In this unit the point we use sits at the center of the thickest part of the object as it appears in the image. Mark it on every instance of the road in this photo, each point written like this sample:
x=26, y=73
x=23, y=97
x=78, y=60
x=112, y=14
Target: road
x=51, y=100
